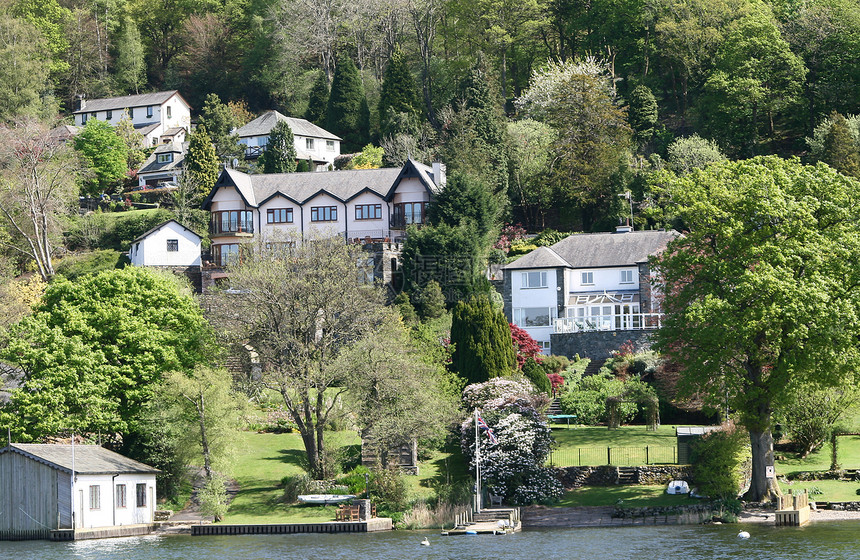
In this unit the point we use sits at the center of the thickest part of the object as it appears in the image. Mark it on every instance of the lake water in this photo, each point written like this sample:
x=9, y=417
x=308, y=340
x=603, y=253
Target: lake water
x=821, y=541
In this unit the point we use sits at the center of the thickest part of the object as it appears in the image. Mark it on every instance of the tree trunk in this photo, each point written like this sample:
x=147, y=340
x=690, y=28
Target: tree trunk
x=762, y=488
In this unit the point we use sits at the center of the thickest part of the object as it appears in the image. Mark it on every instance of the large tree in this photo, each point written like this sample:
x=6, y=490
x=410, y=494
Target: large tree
x=483, y=346
x=399, y=106
x=104, y=155
x=346, y=103
x=761, y=293
x=280, y=154
x=201, y=162
x=23, y=68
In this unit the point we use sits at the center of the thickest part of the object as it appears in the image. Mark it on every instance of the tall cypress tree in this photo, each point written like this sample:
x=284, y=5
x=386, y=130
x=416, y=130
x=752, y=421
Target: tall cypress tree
x=399, y=106
x=482, y=338
x=318, y=100
x=642, y=114
x=344, y=110
x=201, y=162
x=280, y=154
x=840, y=148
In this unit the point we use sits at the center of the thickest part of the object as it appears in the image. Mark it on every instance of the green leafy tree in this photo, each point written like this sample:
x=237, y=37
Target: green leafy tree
x=759, y=292
x=370, y=157
x=813, y=413
x=718, y=459
x=318, y=100
x=346, y=104
x=840, y=147
x=130, y=71
x=467, y=200
x=23, y=68
x=280, y=154
x=94, y=350
x=133, y=141
x=642, y=113
x=692, y=152
x=50, y=18
x=399, y=106
x=201, y=161
x=483, y=347
x=104, y=155
x=220, y=122
x=529, y=159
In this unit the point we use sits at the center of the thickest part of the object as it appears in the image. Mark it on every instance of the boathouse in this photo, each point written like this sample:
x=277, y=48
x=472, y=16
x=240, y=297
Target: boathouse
x=49, y=488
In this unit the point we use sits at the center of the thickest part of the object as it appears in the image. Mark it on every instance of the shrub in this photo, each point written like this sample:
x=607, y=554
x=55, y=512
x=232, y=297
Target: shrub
x=586, y=398
x=354, y=480
x=549, y=237
x=555, y=364
x=74, y=266
x=213, y=498
x=294, y=486
x=717, y=461
x=536, y=373
x=388, y=490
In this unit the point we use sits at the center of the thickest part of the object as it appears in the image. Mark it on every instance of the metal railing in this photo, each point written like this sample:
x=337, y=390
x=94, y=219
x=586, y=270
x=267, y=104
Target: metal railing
x=612, y=322
x=615, y=456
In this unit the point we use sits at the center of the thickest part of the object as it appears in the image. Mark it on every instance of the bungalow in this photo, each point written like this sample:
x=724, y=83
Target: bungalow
x=161, y=117
x=311, y=142
x=169, y=244
x=360, y=205
x=44, y=488
x=584, y=283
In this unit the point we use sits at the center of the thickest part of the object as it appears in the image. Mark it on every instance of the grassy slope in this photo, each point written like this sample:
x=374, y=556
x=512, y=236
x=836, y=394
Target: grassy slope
x=632, y=496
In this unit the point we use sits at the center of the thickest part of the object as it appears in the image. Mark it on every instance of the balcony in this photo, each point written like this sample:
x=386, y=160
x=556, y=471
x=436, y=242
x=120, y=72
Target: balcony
x=613, y=322
x=253, y=152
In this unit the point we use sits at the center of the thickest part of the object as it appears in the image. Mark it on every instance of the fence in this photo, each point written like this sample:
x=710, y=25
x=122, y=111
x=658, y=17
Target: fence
x=615, y=456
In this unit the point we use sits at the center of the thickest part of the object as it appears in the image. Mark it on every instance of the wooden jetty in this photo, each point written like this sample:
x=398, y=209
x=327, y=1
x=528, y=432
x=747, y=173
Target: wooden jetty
x=491, y=521
x=793, y=509
x=369, y=526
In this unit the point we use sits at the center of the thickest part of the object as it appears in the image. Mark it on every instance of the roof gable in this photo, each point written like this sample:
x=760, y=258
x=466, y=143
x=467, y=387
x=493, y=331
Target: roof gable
x=87, y=459
x=413, y=169
x=600, y=250
x=542, y=257
x=161, y=225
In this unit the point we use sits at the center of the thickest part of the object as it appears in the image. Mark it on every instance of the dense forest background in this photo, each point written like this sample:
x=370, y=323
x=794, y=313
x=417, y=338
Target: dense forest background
x=739, y=77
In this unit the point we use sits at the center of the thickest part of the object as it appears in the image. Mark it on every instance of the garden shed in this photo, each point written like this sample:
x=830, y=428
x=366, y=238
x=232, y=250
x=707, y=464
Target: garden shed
x=685, y=435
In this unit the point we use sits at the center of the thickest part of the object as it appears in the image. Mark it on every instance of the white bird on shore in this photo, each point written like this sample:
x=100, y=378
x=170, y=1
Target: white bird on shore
x=425, y=542
x=743, y=535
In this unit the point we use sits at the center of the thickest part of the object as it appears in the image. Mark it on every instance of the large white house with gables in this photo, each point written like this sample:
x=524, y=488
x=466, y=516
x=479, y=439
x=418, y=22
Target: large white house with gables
x=586, y=283
x=161, y=117
x=312, y=143
x=362, y=206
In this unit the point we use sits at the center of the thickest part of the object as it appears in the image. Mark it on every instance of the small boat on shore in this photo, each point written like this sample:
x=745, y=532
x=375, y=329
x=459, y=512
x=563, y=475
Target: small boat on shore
x=324, y=499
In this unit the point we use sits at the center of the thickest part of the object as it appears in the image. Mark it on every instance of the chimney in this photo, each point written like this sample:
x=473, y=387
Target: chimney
x=439, y=173
x=624, y=228
x=82, y=102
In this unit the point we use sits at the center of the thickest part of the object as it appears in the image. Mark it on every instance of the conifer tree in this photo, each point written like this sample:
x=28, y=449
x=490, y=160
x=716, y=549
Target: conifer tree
x=220, y=121
x=399, y=106
x=346, y=105
x=317, y=101
x=201, y=162
x=280, y=154
x=130, y=65
x=642, y=114
x=467, y=200
x=840, y=149
x=483, y=347
x=430, y=300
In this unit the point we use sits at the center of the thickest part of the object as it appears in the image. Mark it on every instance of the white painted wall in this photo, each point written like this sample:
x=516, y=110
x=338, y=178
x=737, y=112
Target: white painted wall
x=608, y=279
x=320, y=151
x=357, y=228
x=180, y=116
x=279, y=232
x=152, y=250
x=107, y=515
x=324, y=228
x=410, y=190
x=522, y=297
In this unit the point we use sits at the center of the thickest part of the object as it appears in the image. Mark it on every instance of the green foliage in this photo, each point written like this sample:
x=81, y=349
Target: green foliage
x=813, y=413
x=718, y=460
x=388, y=490
x=112, y=230
x=399, y=106
x=430, y=300
x=483, y=347
x=692, y=152
x=529, y=159
x=556, y=364
x=75, y=265
x=642, y=114
x=467, y=201
x=294, y=486
x=370, y=157
x=452, y=256
x=586, y=397
x=820, y=133
x=50, y=18
x=220, y=121
x=104, y=154
x=280, y=154
x=213, y=498
x=840, y=147
x=23, y=68
x=201, y=161
x=536, y=373
x=549, y=237
x=318, y=100
x=346, y=104
x=130, y=73
x=405, y=308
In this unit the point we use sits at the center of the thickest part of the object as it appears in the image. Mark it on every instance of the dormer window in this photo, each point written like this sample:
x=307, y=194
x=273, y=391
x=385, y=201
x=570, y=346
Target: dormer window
x=164, y=158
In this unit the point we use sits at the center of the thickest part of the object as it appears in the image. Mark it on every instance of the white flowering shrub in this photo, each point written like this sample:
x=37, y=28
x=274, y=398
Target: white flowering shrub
x=512, y=467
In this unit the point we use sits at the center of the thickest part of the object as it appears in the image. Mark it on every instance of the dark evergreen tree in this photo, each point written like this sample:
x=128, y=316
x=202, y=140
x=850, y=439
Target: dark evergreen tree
x=405, y=308
x=536, y=373
x=450, y=255
x=642, y=114
x=220, y=122
x=467, y=200
x=483, y=347
x=399, y=106
x=840, y=148
x=201, y=162
x=318, y=100
x=430, y=300
x=346, y=104
x=280, y=154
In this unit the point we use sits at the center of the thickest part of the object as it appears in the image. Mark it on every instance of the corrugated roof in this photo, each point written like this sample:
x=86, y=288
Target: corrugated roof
x=126, y=101
x=89, y=459
x=542, y=257
x=263, y=125
x=595, y=250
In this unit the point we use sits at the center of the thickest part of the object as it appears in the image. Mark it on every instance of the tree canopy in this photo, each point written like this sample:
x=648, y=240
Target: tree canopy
x=280, y=154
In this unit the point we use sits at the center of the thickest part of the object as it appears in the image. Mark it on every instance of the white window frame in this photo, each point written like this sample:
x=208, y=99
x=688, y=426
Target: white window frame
x=519, y=319
x=329, y=145
x=541, y=278
x=309, y=143
x=121, y=496
x=587, y=278
x=164, y=158
x=172, y=245
x=95, y=496
x=168, y=112
x=626, y=276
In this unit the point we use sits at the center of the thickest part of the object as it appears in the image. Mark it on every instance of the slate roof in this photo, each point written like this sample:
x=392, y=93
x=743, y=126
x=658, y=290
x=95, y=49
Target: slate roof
x=301, y=187
x=151, y=165
x=263, y=125
x=89, y=459
x=126, y=101
x=158, y=227
x=598, y=250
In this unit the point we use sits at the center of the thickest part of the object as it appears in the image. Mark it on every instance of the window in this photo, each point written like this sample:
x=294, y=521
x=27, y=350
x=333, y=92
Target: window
x=225, y=254
x=544, y=344
x=368, y=212
x=232, y=221
x=172, y=245
x=626, y=276
x=309, y=143
x=164, y=158
x=149, y=111
x=95, y=497
x=83, y=118
x=329, y=145
x=141, y=494
x=109, y=115
x=587, y=278
x=168, y=111
x=534, y=280
x=406, y=213
x=533, y=316
x=279, y=216
x=120, y=496
x=131, y=112
x=324, y=214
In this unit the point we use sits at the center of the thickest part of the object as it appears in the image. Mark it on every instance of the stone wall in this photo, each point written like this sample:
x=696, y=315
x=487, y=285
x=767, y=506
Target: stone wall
x=598, y=345
x=576, y=477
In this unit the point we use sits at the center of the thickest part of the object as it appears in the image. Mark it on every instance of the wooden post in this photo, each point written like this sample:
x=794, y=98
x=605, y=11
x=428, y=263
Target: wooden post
x=608, y=455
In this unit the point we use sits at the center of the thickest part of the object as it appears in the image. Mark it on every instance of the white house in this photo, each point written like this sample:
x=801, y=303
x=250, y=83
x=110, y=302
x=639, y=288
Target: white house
x=586, y=282
x=161, y=117
x=166, y=163
x=169, y=245
x=360, y=205
x=50, y=487
x=311, y=142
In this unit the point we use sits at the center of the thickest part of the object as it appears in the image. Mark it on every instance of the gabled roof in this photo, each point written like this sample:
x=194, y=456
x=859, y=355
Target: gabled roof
x=151, y=164
x=263, y=125
x=598, y=250
x=414, y=169
x=88, y=459
x=161, y=225
x=126, y=101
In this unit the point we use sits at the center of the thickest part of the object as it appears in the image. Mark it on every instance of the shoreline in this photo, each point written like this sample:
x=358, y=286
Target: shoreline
x=815, y=516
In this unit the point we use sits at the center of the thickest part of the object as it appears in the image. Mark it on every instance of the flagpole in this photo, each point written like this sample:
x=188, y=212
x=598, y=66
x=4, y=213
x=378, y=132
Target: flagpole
x=477, y=464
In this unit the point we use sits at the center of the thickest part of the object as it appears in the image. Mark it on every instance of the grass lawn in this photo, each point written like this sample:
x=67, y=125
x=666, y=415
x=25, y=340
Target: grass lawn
x=632, y=496
x=587, y=445
x=849, y=458
x=825, y=490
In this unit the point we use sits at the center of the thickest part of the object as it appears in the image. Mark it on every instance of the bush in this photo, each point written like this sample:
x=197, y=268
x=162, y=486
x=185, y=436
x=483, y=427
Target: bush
x=555, y=364
x=549, y=237
x=717, y=460
x=536, y=373
x=388, y=490
x=294, y=486
x=586, y=398
x=213, y=498
x=74, y=266
x=354, y=480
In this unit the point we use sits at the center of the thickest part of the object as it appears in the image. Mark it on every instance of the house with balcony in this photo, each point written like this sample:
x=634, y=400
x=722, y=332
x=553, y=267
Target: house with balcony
x=312, y=142
x=161, y=117
x=586, y=283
